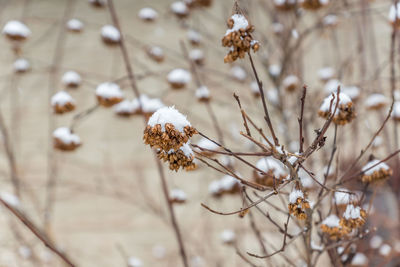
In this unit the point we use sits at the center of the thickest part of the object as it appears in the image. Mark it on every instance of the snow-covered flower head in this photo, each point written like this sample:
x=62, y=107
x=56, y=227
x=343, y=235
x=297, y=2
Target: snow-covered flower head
x=376, y=101
x=148, y=14
x=298, y=204
x=109, y=94
x=228, y=236
x=156, y=53
x=65, y=140
x=272, y=169
x=177, y=196
x=71, y=79
x=344, y=112
x=394, y=15
x=74, y=25
x=375, y=171
x=353, y=217
x=180, y=9
x=203, y=94
x=21, y=65
x=179, y=78
x=313, y=4
x=168, y=129
x=331, y=226
x=110, y=35
x=62, y=102
x=16, y=30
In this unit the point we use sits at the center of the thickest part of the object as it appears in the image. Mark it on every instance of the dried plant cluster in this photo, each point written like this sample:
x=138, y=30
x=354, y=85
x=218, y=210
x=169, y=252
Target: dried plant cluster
x=307, y=160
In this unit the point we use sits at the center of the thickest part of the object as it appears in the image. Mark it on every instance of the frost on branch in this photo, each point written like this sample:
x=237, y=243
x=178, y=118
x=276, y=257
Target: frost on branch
x=344, y=113
x=65, y=140
x=238, y=38
x=62, y=102
x=109, y=94
x=375, y=171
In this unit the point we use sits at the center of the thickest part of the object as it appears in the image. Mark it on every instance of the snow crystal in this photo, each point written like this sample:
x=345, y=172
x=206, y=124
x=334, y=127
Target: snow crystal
x=294, y=195
x=331, y=221
x=64, y=134
x=368, y=170
x=352, y=212
x=109, y=90
x=75, y=25
x=148, y=13
x=169, y=115
x=110, y=32
x=61, y=98
x=179, y=76
x=177, y=194
x=16, y=28
x=239, y=22
x=71, y=77
x=228, y=236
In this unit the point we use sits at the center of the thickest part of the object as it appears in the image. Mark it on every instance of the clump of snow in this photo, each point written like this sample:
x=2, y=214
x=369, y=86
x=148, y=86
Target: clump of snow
x=330, y=20
x=186, y=149
x=331, y=86
x=396, y=110
x=274, y=70
x=214, y=187
x=326, y=73
x=368, y=170
x=71, y=78
x=10, y=199
x=290, y=80
x=196, y=54
x=294, y=195
x=66, y=136
x=341, y=197
x=134, y=262
x=239, y=22
x=394, y=12
x=126, y=107
x=359, y=259
x=202, y=92
x=352, y=212
x=375, y=100
x=169, y=115
x=385, y=250
x=343, y=100
x=178, y=194
x=331, y=221
x=180, y=8
x=179, y=76
x=21, y=65
x=375, y=241
x=16, y=28
x=74, y=25
x=111, y=33
x=159, y=252
x=254, y=87
x=238, y=73
x=207, y=144
x=228, y=182
x=271, y=164
x=148, y=13
x=109, y=90
x=61, y=98
x=228, y=236
x=194, y=36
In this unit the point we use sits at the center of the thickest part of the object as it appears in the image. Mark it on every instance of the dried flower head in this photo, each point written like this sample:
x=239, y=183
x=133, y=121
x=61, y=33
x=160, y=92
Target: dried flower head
x=344, y=113
x=168, y=129
x=298, y=204
x=65, y=140
x=62, y=102
x=238, y=38
x=331, y=226
x=313, y=4
x=180, y=158
x=353, y=217
x=285, y=5
x=109, y=94
x=375, y=171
